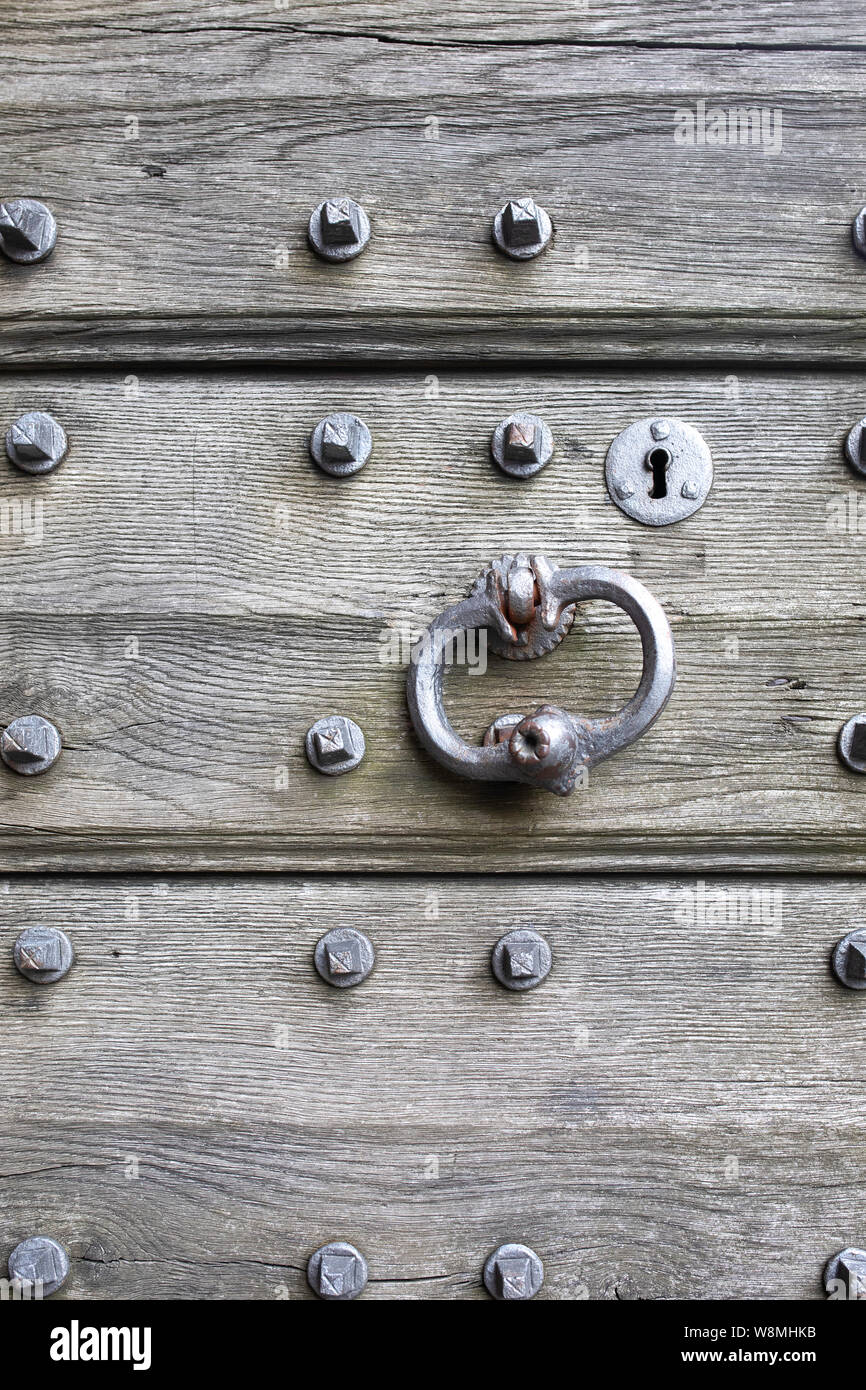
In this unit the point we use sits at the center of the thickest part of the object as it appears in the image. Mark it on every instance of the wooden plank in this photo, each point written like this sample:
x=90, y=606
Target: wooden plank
x=183, y=166
x=768, y=23
x=676, y=1112
x=196, y=594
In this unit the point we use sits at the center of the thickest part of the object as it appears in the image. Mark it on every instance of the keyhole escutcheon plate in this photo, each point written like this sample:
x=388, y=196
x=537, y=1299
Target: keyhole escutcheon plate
x=659, y=471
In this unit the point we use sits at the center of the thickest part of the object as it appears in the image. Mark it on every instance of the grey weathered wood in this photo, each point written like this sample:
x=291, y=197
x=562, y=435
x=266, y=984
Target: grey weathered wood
x=202, y=594
x=676, y=1112
x=189, y=240
x=767, y=23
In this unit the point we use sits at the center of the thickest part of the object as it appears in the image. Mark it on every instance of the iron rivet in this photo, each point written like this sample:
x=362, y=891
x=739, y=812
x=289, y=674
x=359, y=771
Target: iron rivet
x=858, y=232
x=521, y=959
x=849, y=959
x=30, y=745
x=334, y=745
x=513, y=1272
x=659, y=471
x=521, y=445
x=845, y=1274
x=39, y=1260
x=337, y=1271
x=28, y=230
x=35, y=443
x=521, y=228
x=344, y=957
x=339, y=229
x=855, y=447
x=851, y=743
x=43, y=954
x=340, y=444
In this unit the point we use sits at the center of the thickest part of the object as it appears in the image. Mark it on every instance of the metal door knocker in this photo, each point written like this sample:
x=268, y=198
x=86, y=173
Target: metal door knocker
x=527, y=606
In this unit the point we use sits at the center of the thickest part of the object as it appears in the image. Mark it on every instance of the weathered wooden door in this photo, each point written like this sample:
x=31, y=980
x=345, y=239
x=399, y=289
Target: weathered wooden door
x=192, y=1111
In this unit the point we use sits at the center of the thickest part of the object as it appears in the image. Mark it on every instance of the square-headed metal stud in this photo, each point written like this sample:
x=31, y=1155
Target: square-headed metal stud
x=334, y=745
x=35, y=443
x=344, y=957
x=340, y=444
x=28, y=231
x=513, y=1272
x=845, y=1274
x=339, y=229
x=521, y=445
x=521, y=959
x=337, y=1271
x=851, y=744
x=521, y=228
x=43, y=954
x=849, y=959
x=40, y=1263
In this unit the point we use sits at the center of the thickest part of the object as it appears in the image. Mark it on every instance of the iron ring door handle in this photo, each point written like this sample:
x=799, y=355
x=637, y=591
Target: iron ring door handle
x=527, y=605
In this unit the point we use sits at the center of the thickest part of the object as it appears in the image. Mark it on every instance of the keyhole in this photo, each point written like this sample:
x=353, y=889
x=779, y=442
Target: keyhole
x=658, y=461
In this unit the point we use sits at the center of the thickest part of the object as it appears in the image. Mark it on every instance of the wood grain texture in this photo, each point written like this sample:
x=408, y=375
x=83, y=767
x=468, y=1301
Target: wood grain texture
x=200, y=594
x=676, y=1112
x=767, y=23
x=183, y=165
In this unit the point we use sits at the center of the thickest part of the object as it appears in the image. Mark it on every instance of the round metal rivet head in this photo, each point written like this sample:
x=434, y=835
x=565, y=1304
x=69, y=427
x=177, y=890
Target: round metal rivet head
x=513, y=1272
x=521, y=959
x=30, y=745
x=339, y=229
x=849, y=959
x=851, y=743
x=858, y=232
x=340, y=444
x=344, y=957
x=334, y=745
x=35, y=443
x=28, y=231
x=659, y=471
x=39, y=1260
x=855, y=447
x=845, y=1274
x=337, y=1271
x=521, y=229
x=43, y=954
x=521, y=445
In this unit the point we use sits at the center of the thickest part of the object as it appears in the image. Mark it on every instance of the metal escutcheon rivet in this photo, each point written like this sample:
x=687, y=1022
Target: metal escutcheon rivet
x=337, y=1271
x=43, y=954
x=513, y=1272
x=858, y=232
x=39, y=1262
x=339, y=229
x=521, y=959
x=344, y=957
x=30, y=745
